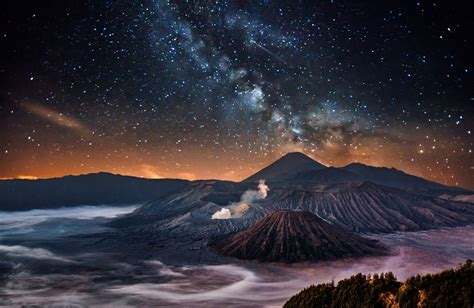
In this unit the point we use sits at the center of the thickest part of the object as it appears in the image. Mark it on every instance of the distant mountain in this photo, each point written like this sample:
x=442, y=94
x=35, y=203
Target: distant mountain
x=89, y=189
x=398, y=179
x=450, y=288
x=286, y=168
x=294, y=236
x=297, y=168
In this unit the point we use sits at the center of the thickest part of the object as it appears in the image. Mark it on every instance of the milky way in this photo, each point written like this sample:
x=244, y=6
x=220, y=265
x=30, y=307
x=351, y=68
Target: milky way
x=218, y=89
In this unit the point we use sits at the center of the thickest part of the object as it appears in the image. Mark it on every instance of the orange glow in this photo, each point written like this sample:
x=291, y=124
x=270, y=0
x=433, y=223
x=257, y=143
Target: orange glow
x=204, y=165
x=21, y=177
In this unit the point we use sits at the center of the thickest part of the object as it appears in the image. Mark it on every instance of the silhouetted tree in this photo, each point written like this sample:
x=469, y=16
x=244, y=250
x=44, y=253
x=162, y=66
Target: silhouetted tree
x=450, y=288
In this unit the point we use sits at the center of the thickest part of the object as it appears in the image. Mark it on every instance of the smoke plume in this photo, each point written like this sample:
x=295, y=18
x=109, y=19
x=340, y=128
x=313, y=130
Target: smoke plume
x=263, y=189
x=222, y=214
x=237, y=210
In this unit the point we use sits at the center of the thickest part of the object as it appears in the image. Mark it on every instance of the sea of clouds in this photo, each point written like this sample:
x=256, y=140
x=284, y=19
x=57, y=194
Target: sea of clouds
x=32, y=275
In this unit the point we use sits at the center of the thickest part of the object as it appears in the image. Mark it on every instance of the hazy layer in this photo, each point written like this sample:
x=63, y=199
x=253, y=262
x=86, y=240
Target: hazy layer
x=58, y=222
x=39, y=275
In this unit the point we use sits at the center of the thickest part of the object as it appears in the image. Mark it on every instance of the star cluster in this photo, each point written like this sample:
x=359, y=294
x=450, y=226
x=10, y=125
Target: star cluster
x=218, y=89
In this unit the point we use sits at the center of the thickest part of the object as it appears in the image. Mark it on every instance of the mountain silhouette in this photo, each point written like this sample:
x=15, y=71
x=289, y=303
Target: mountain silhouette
x=286, y=168
x=395, y=178
x=297, y=168
x=89, y=189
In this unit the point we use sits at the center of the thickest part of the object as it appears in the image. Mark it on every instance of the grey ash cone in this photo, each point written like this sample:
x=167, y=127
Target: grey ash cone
x=295, y=236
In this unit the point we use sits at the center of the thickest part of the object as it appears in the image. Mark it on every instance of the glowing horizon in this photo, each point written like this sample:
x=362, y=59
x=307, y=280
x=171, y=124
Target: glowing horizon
x=149, y=172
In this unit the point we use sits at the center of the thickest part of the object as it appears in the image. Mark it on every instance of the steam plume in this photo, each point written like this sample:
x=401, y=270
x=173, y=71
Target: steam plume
x=237, y=210
x=263, y=189
x=222, y=214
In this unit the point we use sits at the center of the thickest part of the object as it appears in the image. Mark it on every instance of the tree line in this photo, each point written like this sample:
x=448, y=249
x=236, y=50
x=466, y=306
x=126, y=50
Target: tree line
x=450, y=288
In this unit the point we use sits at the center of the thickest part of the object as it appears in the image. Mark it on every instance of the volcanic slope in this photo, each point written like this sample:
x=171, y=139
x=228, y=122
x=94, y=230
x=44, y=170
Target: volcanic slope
x=357, y=206
x=285, y=168
x=180, y=224
x=368, y=207
x=294, y=236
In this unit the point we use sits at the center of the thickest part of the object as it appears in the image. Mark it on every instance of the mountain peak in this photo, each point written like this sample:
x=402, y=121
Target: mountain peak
x=296, y=154
x=297, y=157
x=286, y=167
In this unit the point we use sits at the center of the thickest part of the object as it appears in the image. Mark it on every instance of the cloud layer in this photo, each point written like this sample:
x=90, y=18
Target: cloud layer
x=46, y=276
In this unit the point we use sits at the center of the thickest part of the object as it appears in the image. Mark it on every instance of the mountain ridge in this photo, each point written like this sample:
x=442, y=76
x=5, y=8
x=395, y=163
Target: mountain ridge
x=292, y=169
x=278, y=171
x=91, y=189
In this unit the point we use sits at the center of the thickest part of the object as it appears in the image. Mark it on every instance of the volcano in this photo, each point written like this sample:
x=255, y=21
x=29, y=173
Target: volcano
x=295, y=236
x=298, y=169
x=286, y=168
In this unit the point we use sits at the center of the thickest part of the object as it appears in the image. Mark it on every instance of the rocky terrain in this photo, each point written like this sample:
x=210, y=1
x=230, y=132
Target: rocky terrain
x=357, y=206
x=368, y=207
x=294, y=236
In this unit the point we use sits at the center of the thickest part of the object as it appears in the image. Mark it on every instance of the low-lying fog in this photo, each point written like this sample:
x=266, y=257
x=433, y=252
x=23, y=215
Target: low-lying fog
x=35, y=275
x=58, y=222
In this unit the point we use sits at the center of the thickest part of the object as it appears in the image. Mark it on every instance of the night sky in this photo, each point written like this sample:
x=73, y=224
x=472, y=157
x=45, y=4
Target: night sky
x=218, y=89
